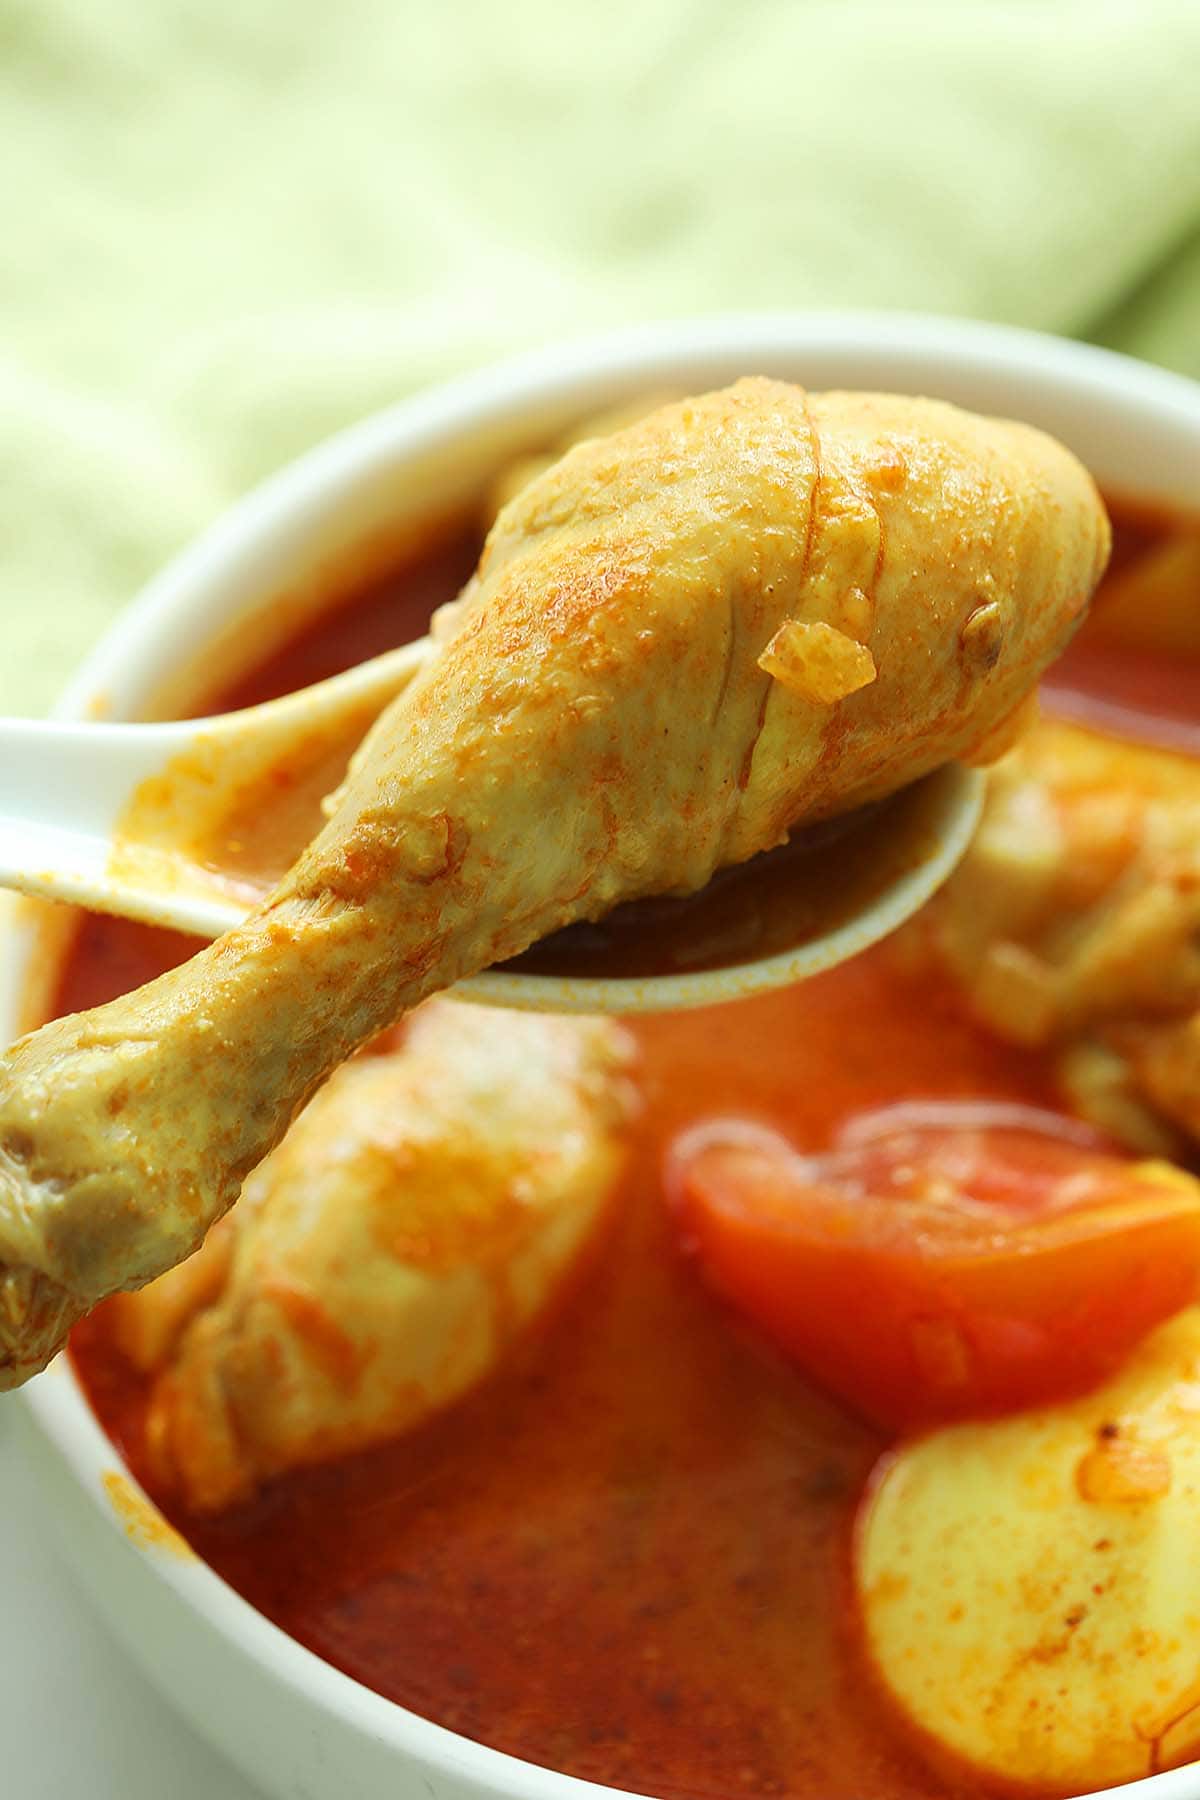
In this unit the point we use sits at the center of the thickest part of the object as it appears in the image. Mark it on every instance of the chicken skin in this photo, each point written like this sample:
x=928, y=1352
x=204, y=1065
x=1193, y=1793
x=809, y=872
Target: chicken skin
x=749, y=610
x=422, y=1209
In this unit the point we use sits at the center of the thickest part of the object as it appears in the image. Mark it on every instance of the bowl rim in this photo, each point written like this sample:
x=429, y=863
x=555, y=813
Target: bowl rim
x=915, y=348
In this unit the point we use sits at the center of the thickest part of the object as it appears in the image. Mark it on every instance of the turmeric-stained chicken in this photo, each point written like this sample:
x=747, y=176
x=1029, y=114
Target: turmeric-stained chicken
x=1074, y=923
x=422, y=1209
x=748, y=610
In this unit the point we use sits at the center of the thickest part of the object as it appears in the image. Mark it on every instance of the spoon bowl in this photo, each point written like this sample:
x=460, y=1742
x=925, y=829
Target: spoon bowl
x=158, y=823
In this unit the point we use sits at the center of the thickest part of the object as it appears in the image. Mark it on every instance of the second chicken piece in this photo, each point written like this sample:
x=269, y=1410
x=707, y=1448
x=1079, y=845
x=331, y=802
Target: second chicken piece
x=425, y=1207
x=1073, y=924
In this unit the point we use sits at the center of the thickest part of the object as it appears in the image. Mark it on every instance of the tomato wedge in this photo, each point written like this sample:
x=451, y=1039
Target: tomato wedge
x=927, y=1269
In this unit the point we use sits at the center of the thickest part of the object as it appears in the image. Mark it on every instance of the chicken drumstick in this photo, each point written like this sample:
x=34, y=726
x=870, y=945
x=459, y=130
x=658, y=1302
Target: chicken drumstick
x=752, y=609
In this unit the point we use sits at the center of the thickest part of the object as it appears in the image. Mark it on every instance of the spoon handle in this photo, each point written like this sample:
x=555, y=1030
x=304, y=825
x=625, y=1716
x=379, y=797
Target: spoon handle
x=62, y=787
x=65, y=785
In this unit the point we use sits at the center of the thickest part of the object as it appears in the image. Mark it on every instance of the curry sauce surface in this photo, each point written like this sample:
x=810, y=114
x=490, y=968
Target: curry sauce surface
x=626, y=1556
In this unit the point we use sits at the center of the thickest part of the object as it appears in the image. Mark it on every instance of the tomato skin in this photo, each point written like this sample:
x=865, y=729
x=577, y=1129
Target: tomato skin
x=927, y=1275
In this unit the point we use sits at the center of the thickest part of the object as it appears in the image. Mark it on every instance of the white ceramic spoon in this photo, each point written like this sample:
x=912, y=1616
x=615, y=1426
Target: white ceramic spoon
x=130, y=819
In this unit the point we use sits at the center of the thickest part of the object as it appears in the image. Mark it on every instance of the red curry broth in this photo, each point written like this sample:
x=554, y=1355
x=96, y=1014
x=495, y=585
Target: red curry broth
x=626, y=1557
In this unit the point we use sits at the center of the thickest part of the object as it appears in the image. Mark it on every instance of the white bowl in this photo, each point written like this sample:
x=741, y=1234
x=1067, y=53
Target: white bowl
x=293, y=1723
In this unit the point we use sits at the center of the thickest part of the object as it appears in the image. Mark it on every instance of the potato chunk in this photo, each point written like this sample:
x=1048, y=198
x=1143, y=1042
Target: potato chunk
x=1028, y=1586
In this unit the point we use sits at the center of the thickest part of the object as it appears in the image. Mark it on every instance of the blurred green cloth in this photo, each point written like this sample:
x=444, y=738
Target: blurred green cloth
x=228, y=230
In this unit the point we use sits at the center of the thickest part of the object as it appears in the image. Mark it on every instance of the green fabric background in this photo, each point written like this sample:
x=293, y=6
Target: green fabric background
x=231, y=228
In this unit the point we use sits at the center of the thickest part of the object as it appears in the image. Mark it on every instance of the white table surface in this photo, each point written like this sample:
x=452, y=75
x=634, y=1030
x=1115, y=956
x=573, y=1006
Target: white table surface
x=77, y=1720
